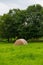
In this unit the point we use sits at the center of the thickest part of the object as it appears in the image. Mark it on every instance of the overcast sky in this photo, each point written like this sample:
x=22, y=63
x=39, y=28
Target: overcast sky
x=5, y=5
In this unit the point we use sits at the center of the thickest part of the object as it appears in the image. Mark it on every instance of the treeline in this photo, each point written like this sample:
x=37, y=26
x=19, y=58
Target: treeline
x=25, y=24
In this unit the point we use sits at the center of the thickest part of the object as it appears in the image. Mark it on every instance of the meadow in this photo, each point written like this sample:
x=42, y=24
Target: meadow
x=31, y=54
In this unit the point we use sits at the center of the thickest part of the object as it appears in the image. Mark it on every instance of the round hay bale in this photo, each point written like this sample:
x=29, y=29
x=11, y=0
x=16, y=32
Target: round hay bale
x=20, y=42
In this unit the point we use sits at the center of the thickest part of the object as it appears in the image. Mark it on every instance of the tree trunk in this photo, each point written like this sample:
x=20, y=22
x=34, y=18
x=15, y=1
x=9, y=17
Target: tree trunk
x=8, y=39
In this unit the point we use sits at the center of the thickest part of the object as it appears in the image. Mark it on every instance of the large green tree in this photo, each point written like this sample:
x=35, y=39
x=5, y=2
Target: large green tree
x=23, y=23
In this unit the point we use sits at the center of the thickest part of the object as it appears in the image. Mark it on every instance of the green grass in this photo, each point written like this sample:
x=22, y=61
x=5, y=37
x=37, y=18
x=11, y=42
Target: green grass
x=31, y=54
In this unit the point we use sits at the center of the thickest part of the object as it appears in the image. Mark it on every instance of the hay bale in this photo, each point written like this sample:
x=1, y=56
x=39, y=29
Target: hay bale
x=20, y=42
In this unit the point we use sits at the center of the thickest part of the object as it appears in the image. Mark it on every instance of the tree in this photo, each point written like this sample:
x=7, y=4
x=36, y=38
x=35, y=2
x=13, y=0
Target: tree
x=23, y=23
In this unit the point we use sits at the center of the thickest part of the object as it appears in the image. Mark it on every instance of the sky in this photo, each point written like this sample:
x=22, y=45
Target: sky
x=6, y=5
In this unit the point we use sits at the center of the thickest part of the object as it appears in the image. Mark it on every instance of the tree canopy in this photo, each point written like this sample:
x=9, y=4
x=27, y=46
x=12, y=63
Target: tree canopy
x=25, y=24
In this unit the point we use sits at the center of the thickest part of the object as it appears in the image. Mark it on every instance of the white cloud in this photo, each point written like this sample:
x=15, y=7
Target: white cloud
x=3, y=8
x=13, y=5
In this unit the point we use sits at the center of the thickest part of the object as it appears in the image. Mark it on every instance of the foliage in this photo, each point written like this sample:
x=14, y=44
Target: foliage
x=25, y=24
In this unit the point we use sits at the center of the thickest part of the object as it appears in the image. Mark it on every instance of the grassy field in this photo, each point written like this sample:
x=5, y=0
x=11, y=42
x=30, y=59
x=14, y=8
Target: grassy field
x=31, y=54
